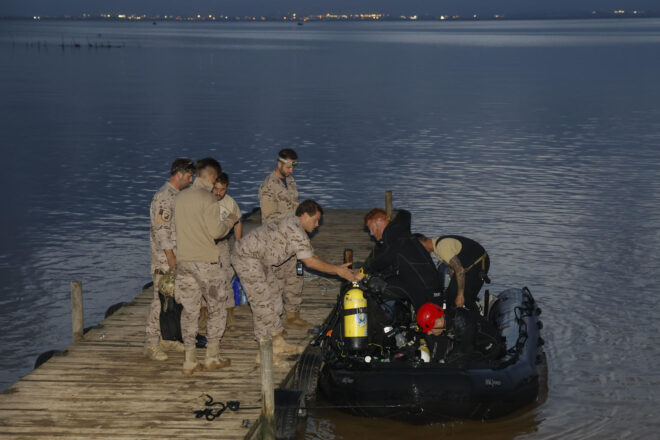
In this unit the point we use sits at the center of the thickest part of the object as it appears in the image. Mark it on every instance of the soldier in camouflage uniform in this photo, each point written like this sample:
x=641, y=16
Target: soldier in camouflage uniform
x=227, y=205
x=198, y=223
x=256, y=258
x=278, y=197
x=163, y=247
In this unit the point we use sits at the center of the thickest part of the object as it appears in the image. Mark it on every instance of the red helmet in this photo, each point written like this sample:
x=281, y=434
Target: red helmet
x=427, y=314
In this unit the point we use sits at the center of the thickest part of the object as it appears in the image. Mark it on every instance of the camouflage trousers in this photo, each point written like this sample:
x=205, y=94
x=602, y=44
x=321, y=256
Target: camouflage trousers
x=153, y=316
x=226, y=271
x=261, y=288
x=290, y=284
x=227, y=274
x=196, y=281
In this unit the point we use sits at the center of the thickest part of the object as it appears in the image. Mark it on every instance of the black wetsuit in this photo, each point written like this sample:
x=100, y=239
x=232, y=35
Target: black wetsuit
x=469, y=337
x=470, y=252
x=405, y=264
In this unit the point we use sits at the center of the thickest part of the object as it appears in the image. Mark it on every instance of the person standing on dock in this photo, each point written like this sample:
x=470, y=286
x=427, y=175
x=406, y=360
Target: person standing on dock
x=199, y=222
x=278, y=198
x=227, y=205
x=163, y=245
x=468, y=265
x=256, y=259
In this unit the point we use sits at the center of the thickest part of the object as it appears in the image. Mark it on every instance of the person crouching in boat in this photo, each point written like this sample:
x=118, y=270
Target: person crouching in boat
x=433, y=321
x=457, y=336
x=468, y=265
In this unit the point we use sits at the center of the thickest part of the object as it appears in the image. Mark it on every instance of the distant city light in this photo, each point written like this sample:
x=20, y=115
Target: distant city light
x=323, y=16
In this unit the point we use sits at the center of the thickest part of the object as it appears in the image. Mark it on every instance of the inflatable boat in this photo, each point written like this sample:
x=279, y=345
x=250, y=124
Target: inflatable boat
x=401, y=382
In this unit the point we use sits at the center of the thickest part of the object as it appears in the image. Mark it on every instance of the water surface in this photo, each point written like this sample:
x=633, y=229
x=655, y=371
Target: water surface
x=540, y=139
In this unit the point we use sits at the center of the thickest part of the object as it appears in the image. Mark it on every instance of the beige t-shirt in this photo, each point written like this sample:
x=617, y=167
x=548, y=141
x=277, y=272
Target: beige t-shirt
x=228, y=206
x=446, y=249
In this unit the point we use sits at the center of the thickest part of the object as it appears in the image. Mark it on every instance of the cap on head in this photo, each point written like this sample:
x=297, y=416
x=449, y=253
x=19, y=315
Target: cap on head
x=427, y=314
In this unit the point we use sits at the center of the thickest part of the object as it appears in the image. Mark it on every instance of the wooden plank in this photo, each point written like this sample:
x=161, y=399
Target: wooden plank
x=103, y=387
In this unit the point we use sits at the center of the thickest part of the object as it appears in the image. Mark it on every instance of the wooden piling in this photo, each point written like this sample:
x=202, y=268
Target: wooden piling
x=388, y=203
x=267, y=390
x=77, y=310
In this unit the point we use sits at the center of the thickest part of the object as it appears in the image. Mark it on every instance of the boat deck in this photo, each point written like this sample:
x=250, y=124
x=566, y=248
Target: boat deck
x=104, y=388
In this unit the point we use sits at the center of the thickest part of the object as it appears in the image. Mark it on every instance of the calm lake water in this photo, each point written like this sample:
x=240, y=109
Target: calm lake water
x=540, y=139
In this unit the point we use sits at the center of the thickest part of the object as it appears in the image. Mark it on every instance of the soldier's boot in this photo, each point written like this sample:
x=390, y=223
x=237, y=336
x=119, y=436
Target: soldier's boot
x=190, y=365
x=155, y=353
x=169, y=345
x=213, y=360
x=281, y=347
x=231, y=320
x=294, y=319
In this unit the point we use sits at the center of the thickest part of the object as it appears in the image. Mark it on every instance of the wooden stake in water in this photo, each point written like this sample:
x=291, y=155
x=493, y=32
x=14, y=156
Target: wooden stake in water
x=348, y=257
x=388, y=203
x=267, y=390
x=77, y=310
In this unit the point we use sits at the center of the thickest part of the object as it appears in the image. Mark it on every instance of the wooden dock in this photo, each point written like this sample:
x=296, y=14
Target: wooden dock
x=104, y=388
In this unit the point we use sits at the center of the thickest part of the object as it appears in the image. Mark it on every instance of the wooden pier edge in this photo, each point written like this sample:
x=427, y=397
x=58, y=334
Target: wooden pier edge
x=103, y=387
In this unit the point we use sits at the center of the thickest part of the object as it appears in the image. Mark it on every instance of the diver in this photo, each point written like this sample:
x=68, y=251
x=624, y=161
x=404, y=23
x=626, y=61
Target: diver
x=468, y=265
x=458, y=335
x=402, y=262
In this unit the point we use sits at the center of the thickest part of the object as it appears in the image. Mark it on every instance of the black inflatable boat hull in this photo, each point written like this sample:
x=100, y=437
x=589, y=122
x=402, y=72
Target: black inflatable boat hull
x=427, y=393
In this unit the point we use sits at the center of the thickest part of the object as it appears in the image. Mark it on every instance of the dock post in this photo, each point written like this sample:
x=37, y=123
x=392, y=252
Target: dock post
x=77, y=310
x=388, y=203
x=267, y=390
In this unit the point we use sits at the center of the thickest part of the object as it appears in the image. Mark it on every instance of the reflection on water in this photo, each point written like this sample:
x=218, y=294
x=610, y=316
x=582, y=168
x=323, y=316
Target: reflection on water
x=538, y=139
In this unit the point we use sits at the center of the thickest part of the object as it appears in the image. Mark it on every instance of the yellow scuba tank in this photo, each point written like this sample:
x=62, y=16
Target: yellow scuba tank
x=355, y=319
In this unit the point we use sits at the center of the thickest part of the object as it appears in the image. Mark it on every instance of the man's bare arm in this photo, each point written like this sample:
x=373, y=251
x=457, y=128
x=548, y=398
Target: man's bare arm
x=459, y=272
x=343, y=271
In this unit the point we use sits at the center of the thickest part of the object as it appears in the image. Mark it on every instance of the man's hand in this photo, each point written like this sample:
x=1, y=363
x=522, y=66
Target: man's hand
x=348, y=274
x=460, y=300
x=171, y=259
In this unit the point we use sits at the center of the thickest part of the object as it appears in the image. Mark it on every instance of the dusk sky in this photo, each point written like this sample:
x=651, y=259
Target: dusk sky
x=255, y=7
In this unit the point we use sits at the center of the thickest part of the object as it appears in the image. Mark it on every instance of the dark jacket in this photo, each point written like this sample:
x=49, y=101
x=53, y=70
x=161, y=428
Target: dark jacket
x=404, y=263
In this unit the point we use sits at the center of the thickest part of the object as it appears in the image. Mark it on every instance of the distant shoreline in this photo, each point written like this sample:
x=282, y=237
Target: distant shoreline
x=327, y=17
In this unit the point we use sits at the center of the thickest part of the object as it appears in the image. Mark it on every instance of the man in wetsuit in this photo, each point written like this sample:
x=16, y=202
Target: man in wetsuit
x=401, y=259
x=457, y=335
x=468, y=263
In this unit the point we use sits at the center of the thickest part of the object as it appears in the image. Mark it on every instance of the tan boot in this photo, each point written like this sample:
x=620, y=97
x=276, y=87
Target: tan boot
x=281, y=347
x=155, y=353
x=231, y=321
x=213, y=360
x=294, y=319
x=169, y=345
x=190, y=365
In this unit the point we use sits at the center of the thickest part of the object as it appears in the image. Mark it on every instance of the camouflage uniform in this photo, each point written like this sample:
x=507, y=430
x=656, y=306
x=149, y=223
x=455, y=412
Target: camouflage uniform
x=227, y=205
x=278, y=201
x=198, y=222
x=162, y=236
x=255, y=259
